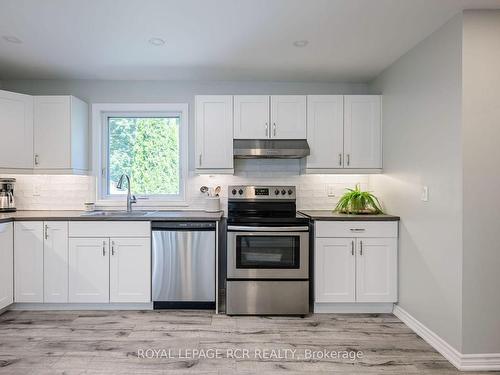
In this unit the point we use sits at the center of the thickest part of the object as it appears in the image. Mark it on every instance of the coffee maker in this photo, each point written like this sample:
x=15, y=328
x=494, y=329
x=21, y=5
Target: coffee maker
x=7, y=201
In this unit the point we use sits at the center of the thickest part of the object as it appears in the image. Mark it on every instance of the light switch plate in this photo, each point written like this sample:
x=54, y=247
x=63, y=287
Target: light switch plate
x=425, y=194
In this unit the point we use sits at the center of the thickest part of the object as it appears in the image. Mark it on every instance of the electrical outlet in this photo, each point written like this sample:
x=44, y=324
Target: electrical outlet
x=425, y=194
x=330, y=190
x=36, y=190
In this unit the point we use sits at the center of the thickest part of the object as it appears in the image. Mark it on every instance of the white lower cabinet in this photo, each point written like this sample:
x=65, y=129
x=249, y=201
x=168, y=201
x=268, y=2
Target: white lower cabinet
x=6, y=265
x=130, y=270
x=55, y=262
x=75, y=262
x=335, y=268
x=109, y=262
x=28, y=261
x=376, y=270
x=355, y=269
x=88, y=270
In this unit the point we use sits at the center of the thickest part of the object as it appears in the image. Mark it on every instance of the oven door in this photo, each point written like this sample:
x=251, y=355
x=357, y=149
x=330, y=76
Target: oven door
x=267, y=252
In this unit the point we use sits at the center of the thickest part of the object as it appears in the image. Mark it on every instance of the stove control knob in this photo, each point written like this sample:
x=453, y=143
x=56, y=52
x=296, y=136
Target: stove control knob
x=233, y=191
x=290, y=191
x=276, y=192
x=240, y=192
x=283, y=192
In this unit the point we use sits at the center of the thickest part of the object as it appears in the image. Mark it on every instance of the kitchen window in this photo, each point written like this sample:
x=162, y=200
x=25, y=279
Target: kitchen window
x=149, y=146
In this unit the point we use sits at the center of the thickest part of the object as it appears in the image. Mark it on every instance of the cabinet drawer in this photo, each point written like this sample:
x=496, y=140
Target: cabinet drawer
x=356, y=229
x=109, y=228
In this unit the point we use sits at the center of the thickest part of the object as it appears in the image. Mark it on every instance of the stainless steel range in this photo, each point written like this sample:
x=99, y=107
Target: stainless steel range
x=267, y=252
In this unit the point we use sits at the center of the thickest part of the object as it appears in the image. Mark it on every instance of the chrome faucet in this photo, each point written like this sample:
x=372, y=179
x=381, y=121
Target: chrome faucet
x=130, y=198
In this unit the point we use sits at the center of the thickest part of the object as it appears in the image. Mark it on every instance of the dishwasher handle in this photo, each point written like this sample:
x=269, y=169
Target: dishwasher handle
x=182, y=225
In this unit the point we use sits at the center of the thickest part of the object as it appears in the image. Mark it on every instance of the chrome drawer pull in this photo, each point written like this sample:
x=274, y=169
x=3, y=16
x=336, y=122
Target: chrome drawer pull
x=357, y=229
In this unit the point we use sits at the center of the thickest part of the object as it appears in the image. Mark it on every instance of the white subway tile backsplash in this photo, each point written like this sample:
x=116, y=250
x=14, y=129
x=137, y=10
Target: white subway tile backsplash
x=44, y=192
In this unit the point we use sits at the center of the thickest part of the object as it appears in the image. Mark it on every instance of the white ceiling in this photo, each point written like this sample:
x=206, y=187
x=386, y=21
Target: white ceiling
x=349, y=40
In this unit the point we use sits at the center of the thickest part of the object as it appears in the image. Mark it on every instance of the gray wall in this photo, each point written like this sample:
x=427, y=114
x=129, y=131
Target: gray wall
x=481, y=182
x=98, y=91
x=422, y=146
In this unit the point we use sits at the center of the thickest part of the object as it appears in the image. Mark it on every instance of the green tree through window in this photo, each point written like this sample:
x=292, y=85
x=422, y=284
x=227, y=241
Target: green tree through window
x=148, y=150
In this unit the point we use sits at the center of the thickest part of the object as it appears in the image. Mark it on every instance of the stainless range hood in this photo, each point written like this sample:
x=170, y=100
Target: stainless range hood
x=270, y=149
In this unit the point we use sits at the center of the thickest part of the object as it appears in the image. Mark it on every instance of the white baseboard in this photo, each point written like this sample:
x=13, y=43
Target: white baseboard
x=346, y=308
x=463, y=362
x=81, y=306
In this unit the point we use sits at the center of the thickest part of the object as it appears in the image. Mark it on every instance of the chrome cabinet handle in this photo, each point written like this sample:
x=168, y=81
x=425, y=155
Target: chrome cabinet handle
x=360, y=247
x=352, y=247
x=46, y=231
x=199, y=160
x=357, y=229
x=112, y=247
x=267, y=130
x=103, y=248
x=37, y=161
x=348, y=159
x=340, y=159
x=274, y=129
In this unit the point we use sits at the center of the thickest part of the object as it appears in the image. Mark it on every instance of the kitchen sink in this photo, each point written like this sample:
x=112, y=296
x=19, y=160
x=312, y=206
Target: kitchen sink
x=117, y=213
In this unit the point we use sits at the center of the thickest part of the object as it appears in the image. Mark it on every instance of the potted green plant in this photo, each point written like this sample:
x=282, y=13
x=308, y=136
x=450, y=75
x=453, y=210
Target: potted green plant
x=357, y=202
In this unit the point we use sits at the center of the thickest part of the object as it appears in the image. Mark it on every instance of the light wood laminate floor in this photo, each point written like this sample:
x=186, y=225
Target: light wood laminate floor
x=109, y=342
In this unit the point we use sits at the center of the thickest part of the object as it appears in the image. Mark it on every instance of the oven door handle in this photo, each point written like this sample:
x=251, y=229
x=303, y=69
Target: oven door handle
x=267, y=229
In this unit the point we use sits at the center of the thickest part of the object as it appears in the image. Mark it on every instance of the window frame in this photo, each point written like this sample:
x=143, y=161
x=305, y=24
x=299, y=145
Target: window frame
x=100, y=114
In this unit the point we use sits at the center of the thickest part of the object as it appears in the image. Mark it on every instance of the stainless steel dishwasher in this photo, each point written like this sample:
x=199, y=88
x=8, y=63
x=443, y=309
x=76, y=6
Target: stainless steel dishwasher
x=183, y=262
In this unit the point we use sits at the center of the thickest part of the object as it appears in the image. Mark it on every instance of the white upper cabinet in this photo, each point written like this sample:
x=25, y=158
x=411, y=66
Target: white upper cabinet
x=6, y=265
x=28, y=261
x=251, y=117
x=130, y=270
x=344, y=133
x=325, y=131
x=16, y=127
x=61, y=134
x=362, y=131
x=288, y=117
x=55, y=261
x=264, y=117
x=214, y=133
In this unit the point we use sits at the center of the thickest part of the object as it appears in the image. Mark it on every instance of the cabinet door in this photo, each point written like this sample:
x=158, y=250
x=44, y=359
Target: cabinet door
x=55, y=261
x=16, y=127
x=88, y=270
x=52, y=132
x=288, y=116
x=214, y=132
x=325, y=131
x=79, y=134
x=334, y=270
x=251, y=117
x=6, y=265
x=130, y=270
x=28, y=261
x=376, y=270
x=362, y=131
